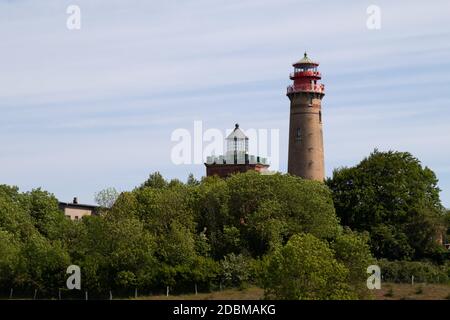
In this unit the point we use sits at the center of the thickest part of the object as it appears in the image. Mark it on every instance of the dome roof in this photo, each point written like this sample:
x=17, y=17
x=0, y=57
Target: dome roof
x=306, y=61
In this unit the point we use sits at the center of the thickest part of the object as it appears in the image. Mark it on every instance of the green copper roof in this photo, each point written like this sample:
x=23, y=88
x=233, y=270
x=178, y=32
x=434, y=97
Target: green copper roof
x=306, y=60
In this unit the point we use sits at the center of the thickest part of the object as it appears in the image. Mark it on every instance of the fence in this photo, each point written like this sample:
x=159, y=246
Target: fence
x=128, y=293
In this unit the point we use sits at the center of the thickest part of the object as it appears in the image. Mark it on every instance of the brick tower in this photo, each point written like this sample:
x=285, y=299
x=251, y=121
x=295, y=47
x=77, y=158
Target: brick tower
x=306, y=156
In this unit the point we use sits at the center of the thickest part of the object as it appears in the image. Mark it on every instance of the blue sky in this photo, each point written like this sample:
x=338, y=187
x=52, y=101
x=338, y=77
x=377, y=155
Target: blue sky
x=94, y=108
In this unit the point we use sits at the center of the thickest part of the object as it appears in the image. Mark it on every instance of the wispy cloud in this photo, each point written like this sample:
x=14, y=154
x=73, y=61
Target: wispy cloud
x=86, y=109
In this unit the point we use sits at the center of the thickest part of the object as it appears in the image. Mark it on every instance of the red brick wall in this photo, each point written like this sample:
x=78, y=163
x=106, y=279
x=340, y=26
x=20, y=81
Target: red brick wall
x=225, y=170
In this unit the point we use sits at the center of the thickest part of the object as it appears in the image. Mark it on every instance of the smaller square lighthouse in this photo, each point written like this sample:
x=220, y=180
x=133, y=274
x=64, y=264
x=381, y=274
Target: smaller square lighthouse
x=236, y=158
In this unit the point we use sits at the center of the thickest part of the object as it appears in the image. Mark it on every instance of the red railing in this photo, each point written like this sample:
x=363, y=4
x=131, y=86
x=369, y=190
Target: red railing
x=319, y=88
x=305, y=74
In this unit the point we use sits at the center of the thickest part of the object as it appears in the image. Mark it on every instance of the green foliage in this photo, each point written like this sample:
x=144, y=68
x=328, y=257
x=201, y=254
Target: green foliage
x=236, y=270
x=45, y=264
x=126, y=279
x=277, y=231
x=395, y=199
x=209, y=202
x=447, y=226
x=14, y=217
x=155, y=180
x=401, y=271
x=353, y=251
x=115, y=252
x=301, y=206
x=106, y=197
x=177, y=246
x=10, y=260
x=304, y=269
x=389, y=242
x=191, y=181
x=32, y=253
x=252, y=213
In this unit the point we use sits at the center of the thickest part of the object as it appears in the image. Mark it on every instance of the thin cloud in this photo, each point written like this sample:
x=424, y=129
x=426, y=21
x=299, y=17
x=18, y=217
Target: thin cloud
x=110, y=95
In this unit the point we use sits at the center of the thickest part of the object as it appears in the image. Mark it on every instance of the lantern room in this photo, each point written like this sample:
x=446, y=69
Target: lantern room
x=237, y=146
x=306, y=77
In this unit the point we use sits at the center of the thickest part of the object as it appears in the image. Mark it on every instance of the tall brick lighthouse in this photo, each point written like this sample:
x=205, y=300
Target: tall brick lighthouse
x=306, y=157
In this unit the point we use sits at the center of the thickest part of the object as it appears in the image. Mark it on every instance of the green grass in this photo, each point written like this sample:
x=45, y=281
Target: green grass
x=388, y=291
x=406, y=291
x=251, y=293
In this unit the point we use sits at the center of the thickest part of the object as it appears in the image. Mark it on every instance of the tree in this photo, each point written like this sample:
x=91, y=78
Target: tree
x=106, y=197
x=32, y=254
x=269, y=209
x=209, y=202
x=395, y=199
x=176, y=246
x=155, y=180
x=117, y=253
x=180, y=234
x=10, y=259
x=353, y=251
x=191, y=181
x=447, y=222
x=45, y=264
x=42, y=206
x=14, y=216
x=235, y=270
x=305, y=269
x=389, y=242
x=175, y=183
x=160, y=209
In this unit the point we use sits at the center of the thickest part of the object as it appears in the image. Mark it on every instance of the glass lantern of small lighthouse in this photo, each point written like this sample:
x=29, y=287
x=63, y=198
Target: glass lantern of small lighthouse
x=237, y=147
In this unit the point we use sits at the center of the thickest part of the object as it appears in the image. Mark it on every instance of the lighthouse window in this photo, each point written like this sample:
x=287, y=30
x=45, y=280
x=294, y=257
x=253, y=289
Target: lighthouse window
x=320, y=116
x=298, y=134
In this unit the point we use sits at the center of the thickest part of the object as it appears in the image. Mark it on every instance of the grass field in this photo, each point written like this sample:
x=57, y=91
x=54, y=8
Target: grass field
x=421, y=291
x=252, y=293
x=388, y=291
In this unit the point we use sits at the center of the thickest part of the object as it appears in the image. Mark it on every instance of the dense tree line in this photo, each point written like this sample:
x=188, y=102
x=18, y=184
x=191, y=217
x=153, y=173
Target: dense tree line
x=169, y=233
x=395, y=199
x=276, y=231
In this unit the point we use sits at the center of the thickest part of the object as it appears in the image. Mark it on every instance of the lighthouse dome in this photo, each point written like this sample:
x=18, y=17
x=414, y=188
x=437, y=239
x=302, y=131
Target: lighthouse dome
x=305, y=61
x=237, y=134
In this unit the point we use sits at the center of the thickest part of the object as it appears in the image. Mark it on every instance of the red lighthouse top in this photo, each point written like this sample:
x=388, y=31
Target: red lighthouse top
x=306, y=77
